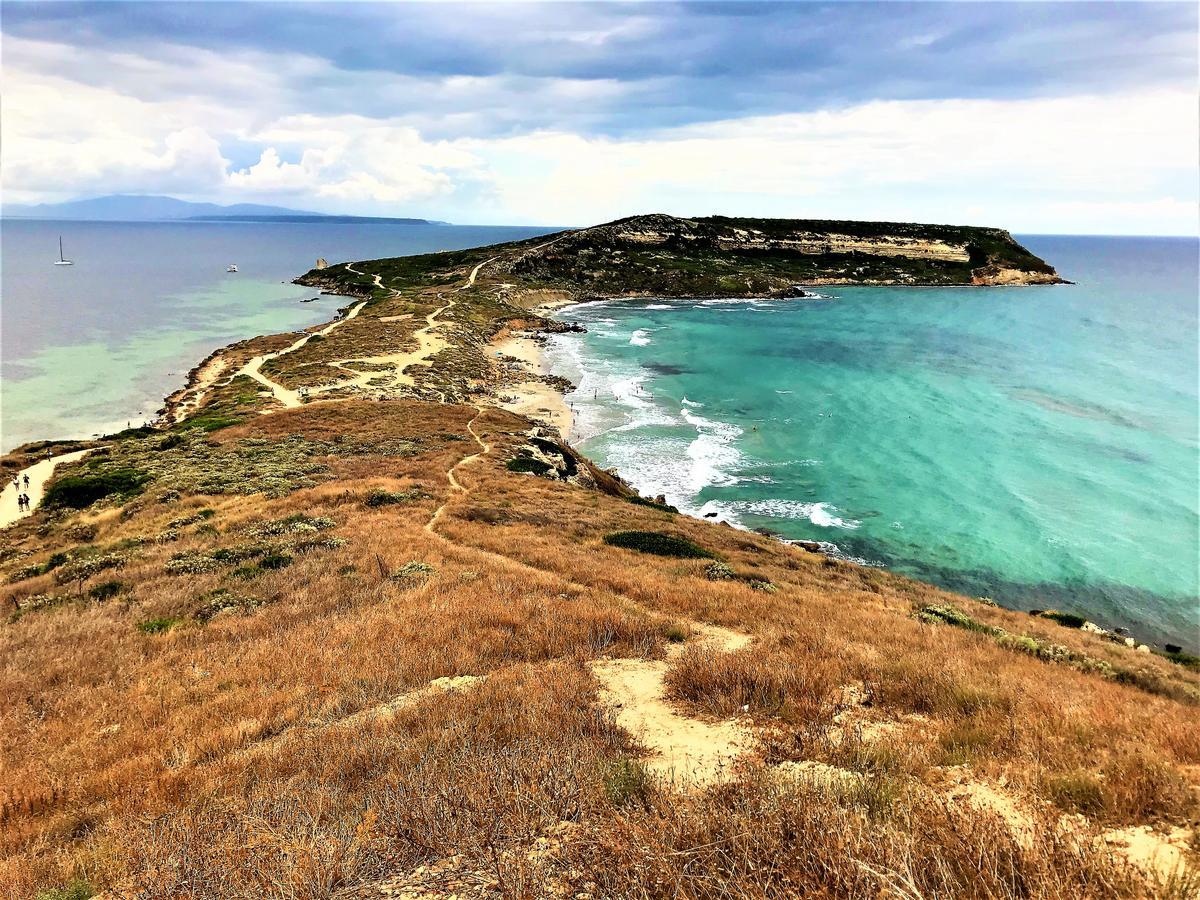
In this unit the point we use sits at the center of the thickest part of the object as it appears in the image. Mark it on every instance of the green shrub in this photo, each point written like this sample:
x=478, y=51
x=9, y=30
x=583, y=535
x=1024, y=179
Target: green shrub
x=81, y=491
x=675, y=633
x=657, y=543
x=1069, y=620
x=158, y=626
x=413, y=571
x=106, y=590
x=84, y=532
x=380, y=497
x=1076, y=792
x=85, y=567
x=718, y=571
x=208, y=422
x=642, y=501
x=223, y=600
x=246, y=572
x=75, y=889
x=627, y=782
x=952, y=615
x=275, y=561
x=528, y=464
x=297, y=523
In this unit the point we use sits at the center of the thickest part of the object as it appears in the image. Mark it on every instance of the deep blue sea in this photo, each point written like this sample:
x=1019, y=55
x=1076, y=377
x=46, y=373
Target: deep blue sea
x=90, y=347
x=1035, y=445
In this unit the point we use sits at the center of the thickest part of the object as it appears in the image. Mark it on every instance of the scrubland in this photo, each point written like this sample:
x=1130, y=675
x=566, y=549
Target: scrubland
x=275, y=732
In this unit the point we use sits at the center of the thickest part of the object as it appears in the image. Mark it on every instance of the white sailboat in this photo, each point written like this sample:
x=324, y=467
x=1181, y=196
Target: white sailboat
x=62, y=260
x=231, y=268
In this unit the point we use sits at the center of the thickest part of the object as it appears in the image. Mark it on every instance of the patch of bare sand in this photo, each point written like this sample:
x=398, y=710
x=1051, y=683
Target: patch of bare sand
x=188, y=400
x=1155, y=853
x=686, y=751
x=533, y=398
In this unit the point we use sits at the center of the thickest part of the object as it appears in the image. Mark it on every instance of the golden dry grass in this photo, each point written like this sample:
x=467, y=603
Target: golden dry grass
x=204, y=761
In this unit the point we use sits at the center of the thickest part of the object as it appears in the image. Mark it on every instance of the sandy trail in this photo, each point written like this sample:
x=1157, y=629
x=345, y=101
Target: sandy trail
x=290, y=398
x=687, y=752
x=39, y=474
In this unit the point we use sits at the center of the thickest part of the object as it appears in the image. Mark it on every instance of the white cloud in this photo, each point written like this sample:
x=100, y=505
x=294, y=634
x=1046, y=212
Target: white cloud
x=1118, y=163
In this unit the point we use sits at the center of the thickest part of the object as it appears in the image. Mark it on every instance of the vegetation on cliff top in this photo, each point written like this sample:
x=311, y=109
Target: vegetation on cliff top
x=722, y=256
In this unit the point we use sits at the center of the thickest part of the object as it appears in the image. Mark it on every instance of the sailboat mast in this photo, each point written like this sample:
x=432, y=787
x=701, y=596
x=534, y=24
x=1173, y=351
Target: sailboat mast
x=60, y=255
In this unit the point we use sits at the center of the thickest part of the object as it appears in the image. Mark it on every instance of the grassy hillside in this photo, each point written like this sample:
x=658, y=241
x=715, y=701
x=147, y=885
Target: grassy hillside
x=383, y=638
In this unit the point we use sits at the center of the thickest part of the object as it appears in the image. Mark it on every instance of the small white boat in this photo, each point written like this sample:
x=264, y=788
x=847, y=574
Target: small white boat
x=231, y=268
x=62, y=260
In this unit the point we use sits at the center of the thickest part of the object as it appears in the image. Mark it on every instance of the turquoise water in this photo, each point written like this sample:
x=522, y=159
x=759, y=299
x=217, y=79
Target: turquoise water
x=91, y=347
x=1034, y=445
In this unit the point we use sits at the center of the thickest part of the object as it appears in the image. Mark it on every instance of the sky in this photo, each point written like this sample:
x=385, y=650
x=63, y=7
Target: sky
x=1040, y=118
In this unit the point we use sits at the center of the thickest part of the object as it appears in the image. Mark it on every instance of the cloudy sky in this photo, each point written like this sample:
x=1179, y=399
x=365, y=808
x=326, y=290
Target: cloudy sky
x=1070, y=117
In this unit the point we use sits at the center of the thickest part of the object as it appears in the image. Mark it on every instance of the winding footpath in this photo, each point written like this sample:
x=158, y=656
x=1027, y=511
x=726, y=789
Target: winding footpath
x=688, y=752
x=287, y=397
x=39, y=473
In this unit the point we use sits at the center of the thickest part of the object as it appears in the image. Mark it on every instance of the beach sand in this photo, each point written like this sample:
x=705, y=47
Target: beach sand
x=534, y=399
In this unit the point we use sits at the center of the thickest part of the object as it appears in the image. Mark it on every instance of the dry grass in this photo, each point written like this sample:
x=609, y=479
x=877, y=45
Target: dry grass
x=125, y=756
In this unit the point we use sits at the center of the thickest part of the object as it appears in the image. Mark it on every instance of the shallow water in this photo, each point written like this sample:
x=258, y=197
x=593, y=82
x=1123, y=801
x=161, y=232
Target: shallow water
x=1035, y=445
x=90, y=347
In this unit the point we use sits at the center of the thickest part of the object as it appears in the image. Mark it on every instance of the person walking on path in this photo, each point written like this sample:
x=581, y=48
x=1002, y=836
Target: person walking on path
x=26, y=479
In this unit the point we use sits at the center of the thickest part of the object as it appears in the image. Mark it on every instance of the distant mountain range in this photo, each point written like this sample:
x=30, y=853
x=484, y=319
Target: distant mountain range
x=145, y=208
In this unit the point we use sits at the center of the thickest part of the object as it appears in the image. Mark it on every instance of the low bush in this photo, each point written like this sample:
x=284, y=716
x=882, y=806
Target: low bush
x=642, y=501
x=75, y=889
x=275, y=561
x=1077, y=792
x=83, y=532
x=412, y=571
x=106, y=590
x=81, y=491
x=626, y=782
x=528, y=464
x=158, y=626
x=1069, y=620
x=718, y=571
x=657, y=543
x=380, y=497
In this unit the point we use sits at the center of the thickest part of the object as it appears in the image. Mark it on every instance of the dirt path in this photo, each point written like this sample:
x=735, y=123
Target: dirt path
x=290, y=398
x=39, y=474
x=686, y=751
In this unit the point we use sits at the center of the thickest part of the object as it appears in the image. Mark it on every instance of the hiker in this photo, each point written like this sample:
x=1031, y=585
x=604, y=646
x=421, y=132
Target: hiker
x=16, y=483
x=26, y=481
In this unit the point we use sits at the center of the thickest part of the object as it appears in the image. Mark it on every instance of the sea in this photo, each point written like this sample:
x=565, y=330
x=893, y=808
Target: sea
x=1037, y=446
x=88, y=349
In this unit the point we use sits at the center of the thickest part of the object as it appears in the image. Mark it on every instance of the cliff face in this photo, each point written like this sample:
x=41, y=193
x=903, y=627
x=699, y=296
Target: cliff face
x=660, y=254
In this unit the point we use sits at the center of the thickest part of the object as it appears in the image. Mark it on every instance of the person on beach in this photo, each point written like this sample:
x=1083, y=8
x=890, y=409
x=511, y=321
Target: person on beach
x=26, y=478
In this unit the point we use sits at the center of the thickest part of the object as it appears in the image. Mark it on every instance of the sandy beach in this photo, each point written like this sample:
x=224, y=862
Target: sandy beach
x=532, y=398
